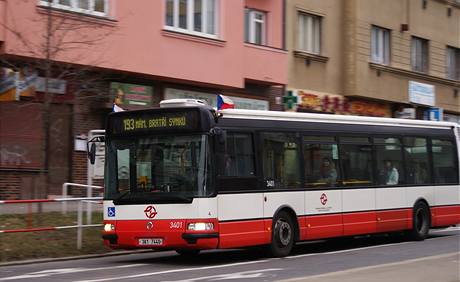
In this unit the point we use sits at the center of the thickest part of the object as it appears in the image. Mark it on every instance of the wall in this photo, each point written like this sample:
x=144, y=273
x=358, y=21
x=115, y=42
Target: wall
x=319, y=76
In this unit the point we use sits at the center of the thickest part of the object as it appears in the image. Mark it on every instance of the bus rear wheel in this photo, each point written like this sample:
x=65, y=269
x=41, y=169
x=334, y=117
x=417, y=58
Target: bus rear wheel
x=283, y=233
x=421, y=222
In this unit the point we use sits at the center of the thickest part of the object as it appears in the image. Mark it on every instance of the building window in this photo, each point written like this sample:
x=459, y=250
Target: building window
x=198, y=17
x=309, y=33
x=419, y=54
x=380, y=45
x=92, y=7
x=255, y=26
x=453, y=63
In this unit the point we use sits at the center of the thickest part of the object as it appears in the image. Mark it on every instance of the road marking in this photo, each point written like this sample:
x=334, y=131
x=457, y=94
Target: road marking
x=58, y=271
x=353, y=270
x=250, y=274
x=174, y=271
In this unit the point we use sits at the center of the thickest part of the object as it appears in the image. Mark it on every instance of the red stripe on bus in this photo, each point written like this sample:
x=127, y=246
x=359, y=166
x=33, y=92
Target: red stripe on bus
x=392, y=220
x=445, y=216
x=244, y=233
x=322, y=226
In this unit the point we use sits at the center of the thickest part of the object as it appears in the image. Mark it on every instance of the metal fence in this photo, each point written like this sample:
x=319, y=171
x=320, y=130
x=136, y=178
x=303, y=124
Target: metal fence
x=79, y=226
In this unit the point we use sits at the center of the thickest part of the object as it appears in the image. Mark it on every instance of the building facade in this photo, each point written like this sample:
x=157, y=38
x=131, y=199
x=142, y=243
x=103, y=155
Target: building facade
x=378, y=58
x=86, y=54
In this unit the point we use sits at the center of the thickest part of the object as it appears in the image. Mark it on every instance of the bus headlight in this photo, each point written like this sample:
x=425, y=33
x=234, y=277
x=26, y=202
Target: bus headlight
x=200, y=226
x=108, y=227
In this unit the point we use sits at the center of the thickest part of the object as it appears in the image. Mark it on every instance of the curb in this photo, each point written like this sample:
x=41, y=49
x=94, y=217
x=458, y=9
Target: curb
x=44, y=260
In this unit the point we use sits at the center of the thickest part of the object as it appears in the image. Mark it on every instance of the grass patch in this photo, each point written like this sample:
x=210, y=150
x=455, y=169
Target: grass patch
x=48, y=244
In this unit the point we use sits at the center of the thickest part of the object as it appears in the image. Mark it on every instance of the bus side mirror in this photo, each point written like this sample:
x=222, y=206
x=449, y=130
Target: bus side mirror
x=92, y=154
x=221, y=135
x=91, y=149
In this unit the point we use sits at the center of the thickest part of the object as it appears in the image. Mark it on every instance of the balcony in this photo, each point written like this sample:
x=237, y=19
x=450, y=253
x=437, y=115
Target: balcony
x=265, y=64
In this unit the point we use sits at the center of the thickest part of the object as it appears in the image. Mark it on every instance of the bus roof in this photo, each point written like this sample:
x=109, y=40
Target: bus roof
x=332, y=118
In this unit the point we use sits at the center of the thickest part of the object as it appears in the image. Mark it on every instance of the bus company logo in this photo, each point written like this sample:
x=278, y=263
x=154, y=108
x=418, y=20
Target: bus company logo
x=150, y=212
x=323, y=199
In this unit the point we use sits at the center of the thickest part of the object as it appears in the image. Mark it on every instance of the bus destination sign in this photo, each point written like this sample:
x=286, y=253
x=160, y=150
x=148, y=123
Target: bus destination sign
x=144, y=122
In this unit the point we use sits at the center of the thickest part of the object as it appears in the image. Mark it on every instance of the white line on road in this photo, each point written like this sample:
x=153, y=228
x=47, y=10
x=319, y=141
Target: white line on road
x=173, y=271
x=50, y=272
x=250, y=274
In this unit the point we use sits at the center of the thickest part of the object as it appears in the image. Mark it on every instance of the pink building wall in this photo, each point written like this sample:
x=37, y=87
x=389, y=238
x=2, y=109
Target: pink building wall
x=134, y=40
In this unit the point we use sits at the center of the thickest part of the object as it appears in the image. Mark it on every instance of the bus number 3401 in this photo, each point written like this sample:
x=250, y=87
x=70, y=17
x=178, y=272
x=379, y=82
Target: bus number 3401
x=175, y=225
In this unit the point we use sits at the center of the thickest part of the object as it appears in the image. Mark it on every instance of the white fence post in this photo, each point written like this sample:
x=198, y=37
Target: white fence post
x=89, y=175
x=79, y=225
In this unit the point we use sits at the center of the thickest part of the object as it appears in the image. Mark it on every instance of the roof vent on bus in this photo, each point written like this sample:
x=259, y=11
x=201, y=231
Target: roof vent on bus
x=176, y=103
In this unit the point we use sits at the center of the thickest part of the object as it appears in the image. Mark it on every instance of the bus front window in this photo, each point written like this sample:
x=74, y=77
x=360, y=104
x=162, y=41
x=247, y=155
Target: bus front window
x=158, y=166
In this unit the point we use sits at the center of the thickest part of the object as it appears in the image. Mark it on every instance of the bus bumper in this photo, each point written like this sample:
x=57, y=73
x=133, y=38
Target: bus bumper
x=163, y=234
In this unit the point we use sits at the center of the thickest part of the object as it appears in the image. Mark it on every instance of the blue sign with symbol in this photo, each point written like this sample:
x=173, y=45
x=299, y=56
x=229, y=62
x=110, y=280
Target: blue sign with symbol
x=111, y=211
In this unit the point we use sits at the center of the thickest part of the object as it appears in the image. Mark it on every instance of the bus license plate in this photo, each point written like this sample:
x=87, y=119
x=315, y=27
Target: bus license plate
x=150, y=242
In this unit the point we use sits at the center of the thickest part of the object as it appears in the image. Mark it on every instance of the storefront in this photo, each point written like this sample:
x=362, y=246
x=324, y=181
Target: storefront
x=301, y=100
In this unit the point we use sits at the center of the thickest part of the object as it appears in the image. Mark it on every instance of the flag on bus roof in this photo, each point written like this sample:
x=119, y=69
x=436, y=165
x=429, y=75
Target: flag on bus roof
x=117, y=108
x=223, y=102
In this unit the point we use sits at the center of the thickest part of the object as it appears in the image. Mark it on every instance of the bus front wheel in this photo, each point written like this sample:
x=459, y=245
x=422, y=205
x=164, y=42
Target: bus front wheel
x=283, y=233
x=421, y=222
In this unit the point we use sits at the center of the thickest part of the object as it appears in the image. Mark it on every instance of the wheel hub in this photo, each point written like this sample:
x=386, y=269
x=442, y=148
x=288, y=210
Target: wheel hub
x=285, y=233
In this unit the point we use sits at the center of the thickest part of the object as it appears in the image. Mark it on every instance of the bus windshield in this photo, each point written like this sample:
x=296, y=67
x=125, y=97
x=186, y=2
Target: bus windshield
x=158, y=168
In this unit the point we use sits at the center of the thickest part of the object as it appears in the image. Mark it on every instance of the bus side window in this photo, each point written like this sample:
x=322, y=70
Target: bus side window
x=417, y=161
x=236, y=165
x=321, y=161
x=356, y=161
x=281, y=160
x=389, y=161
x=444, y=164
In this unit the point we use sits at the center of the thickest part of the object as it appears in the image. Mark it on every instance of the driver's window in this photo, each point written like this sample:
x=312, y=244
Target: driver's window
x=123, y=170
x=144, y=168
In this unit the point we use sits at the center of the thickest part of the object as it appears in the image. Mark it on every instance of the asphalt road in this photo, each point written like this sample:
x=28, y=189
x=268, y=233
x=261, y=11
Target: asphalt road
x=375, y=258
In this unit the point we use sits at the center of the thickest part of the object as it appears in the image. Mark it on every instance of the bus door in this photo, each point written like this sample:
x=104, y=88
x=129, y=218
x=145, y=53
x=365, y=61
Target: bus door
x=240, y=204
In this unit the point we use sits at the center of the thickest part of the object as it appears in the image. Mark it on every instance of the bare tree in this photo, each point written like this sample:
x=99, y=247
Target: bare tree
x=65, y=42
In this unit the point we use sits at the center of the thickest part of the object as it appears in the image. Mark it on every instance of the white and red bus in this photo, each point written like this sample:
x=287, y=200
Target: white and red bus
x=187, y=178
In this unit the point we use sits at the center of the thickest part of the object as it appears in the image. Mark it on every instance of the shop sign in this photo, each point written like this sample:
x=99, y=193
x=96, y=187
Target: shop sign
x=55, y=86
x=421, y=93
x=406, y=113
x=451, y=118
x=211, y=99
x=331, y=103
x=8, y=85
x=433, y=114
x=131, y=94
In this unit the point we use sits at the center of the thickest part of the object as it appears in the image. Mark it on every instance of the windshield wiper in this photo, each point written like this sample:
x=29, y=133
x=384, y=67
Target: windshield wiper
x=153, y=198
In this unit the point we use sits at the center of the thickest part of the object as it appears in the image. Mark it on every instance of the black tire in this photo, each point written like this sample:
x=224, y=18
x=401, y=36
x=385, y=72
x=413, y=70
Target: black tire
x=283, y=234
x=421, y=222
x=188, y=252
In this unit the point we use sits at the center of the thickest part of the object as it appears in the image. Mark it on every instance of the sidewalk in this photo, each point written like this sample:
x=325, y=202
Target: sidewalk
x=435, y=268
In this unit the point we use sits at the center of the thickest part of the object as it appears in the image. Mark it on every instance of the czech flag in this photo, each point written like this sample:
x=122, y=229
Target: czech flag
x=224, y=102
x=117, y=108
